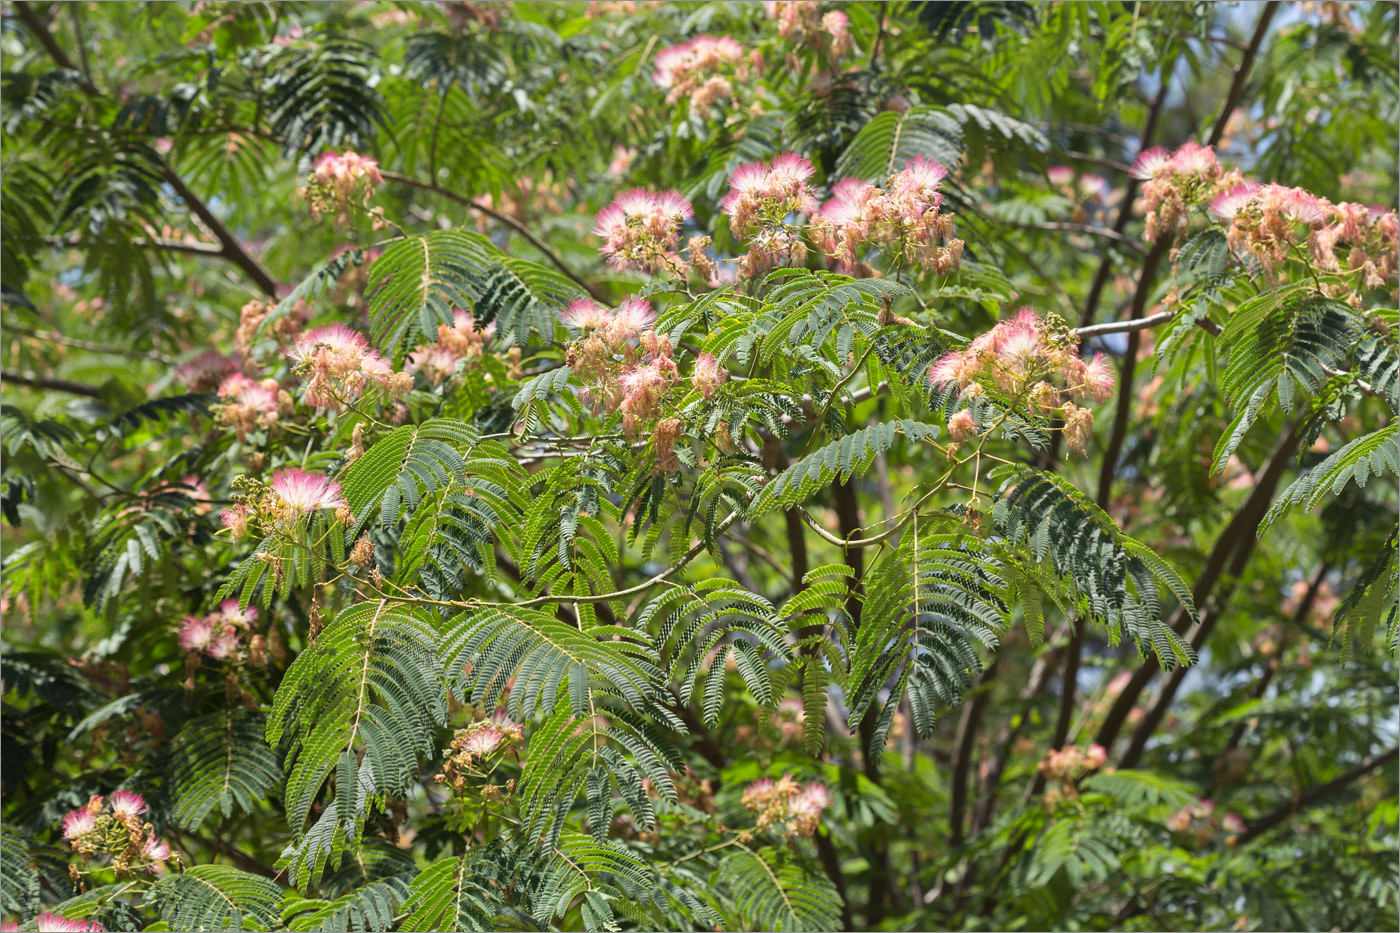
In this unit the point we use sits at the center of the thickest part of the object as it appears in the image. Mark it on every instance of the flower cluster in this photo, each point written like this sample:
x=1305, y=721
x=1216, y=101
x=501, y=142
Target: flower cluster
x=1067, y=765
x=206, y=372
x=249, y=405
x=1174, y=181
x=761, y=197
x=1199, y=821
x=1088, y=192
x=48, y=922
x=292, y=494
x=340, y=179
x=621, y=376
x=254, y=314
x=803, y=21
x=225, y=634
x=472, y=746
x=1267, y=223
x=113, y=826
x=1032, y=362
x=462, y=340
x=788, y=803
x=701, y=68
x=641, y=229
x=338, y=362
x=902, y=217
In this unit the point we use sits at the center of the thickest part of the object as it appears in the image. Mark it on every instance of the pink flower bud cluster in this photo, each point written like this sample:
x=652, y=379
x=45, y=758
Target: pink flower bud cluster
x=472, y=746
x=1090, y=193
x=1023, y=359
x=113, y=826
x=1173, y=182
x=206, y=372
x=701, y=68
x=903, y=218
x=641, y=230
x=707, y=375
x=787, y=803
x=250, y=323
x=1372, y=243
x=248, y=405
x=338, y=363
x=223, y=635
x=1067, y=765
x=462, y=340
x=341, y=179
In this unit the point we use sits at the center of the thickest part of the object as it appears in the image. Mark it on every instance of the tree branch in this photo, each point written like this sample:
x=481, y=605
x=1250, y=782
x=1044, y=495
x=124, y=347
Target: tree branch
x=53, y=336
x=506, y=219
x=49, y=382
x=230, y=248
x=1317, y=794
x=1152, y=320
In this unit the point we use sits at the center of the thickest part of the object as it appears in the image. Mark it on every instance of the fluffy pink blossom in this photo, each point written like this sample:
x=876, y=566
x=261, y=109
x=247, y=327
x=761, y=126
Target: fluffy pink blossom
x=344, y=171
x=78, y=823
x=195, y=633
x=338, y=361
x=962, y=426
x=302, y=492
x=56, y=923
x=1174, y=182
x=707, y=375
x=127, y=804
x=247, y=404
x=837, y=26
x=223, y=647
x=764, y=193
x=903, y=217
x=156, y=849
x=236, y=519
x=585, y=314
x=1098, y=378
x=629, y=320
x=1265, y=224
x=230, y=614
x=641, y=229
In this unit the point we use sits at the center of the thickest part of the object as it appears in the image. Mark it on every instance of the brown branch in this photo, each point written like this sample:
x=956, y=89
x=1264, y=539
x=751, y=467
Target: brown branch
x=1271, y=665
x=53, y=336
x=1107, y=233
x=230, y=248
x=1317, y=794
x=1243, y=523
x=968, y=723
x=520, y=228
x=49, y=382
x=41, y=32
x=1232, y=98
x=175, y=246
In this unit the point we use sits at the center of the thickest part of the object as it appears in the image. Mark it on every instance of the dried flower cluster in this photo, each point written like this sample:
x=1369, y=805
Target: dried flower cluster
x=701, y=69
x=113, y=826
x=1032, y=363
x=903, y=218
x=338, y=363
x=786, y=802
x=471, y=747
x=641, y=230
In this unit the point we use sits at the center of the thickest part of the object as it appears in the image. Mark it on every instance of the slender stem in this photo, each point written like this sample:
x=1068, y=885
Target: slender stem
x=1317, y=794
x=509, y=221
x=49, y=382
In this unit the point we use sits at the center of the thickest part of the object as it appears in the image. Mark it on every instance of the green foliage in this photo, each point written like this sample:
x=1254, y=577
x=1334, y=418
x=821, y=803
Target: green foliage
x=217, y=897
